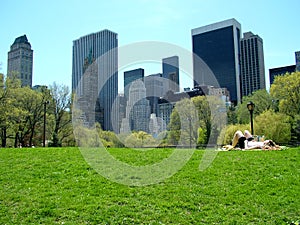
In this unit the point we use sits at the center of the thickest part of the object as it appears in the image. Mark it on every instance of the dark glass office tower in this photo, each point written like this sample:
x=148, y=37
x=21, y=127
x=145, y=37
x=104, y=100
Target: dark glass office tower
x=280, y=71
x=97, y=50
x=20, y=61
x=218, y=45
x=297, y=57
x=170, y=68
x=252, y=64
x=130, y=76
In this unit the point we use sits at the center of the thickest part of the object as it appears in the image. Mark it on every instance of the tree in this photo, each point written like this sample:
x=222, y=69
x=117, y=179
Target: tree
x=11, y=117
x=139, y=139
x=295, y=139
x=262, y=100
x=174, y=126
x=32, y=102
x=212, y=116
x=187, y=121
x=60, y=108
x=228, y=132
x=204, y=115
x=3, y=108
x=232, y=115
x=286, y=89
x=275, y=126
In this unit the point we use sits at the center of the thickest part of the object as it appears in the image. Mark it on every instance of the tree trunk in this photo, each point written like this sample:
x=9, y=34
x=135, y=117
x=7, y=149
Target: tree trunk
x=16, y=139
x=3, y=137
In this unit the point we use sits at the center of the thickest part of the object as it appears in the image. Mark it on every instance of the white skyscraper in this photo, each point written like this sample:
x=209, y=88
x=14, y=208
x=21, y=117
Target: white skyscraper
x=20, y=60
x=137, y=109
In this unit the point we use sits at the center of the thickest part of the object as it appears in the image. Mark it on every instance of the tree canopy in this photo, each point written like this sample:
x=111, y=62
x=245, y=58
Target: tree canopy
x=286, y=90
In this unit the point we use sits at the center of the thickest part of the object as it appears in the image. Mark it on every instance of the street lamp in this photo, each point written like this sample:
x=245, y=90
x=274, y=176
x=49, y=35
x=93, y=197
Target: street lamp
x=44, y=136
x=251, y=106
x=190, y=133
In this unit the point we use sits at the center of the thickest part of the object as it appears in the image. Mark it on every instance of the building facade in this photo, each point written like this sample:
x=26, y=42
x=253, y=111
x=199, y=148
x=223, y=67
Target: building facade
x=297, y=57
x=137, y=109
x=170, y=68
x=168, y=101
x=252, y=64
x=218, y=45
x=130, y=76
x=279, y=71
x=155, y=84
x=101, y=48
x=20, y=61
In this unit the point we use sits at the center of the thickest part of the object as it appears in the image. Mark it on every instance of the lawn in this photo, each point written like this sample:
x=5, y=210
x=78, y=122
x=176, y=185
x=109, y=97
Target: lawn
x=57, y=186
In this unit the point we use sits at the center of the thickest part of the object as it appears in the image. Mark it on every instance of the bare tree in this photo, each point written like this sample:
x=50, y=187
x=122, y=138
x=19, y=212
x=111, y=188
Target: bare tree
x=60, y=108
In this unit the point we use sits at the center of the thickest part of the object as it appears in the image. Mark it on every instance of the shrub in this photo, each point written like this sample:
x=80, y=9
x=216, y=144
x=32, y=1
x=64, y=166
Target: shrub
x=272, y=125
x=227, y=133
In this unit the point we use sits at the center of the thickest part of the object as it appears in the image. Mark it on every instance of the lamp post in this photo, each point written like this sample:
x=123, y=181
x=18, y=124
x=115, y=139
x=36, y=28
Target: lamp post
x=44, y=136
x=190, y=130
x=251, y=106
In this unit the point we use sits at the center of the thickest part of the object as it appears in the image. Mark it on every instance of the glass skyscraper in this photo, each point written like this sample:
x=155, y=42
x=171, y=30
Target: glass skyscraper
x=252, y=64
x=130, y=76
x=101, y=49
x=170, y=68
x=297, y=57
x=218, y=45
x=20, y=61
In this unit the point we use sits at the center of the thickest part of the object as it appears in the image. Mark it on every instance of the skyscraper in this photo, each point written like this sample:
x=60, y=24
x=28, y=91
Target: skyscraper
x=218, y=45
x=20, y=60
x=154, y=84
x=99, y=48
x=130, y=76
x=170, y=68
x=280, y=71
x=252, y=64
x=297, y=56
x=137, y=109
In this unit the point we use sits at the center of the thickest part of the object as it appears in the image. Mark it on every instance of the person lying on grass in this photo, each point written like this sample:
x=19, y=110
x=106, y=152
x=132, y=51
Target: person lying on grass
x=246, y=141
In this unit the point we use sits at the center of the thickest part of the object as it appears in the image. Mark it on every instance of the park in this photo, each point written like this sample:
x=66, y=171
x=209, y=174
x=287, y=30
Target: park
x=57, y=186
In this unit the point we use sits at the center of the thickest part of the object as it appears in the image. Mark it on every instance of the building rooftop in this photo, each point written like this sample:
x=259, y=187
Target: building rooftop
x=22, y=39
x=216, y=26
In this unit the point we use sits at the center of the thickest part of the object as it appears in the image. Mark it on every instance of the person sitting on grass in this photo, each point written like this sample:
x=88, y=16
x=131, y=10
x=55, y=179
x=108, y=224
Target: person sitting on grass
x=246, y=141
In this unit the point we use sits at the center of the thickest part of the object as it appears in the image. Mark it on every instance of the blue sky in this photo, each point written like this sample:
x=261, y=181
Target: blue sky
x=51, y=27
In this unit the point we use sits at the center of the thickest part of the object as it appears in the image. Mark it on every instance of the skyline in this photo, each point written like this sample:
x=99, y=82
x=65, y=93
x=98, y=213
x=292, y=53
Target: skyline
x=52, y=27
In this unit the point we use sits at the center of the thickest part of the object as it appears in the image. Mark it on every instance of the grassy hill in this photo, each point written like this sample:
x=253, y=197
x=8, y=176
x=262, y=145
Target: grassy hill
x=57, y=186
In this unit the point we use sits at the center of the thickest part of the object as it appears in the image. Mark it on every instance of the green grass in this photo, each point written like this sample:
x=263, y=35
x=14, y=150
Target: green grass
x=57, y=186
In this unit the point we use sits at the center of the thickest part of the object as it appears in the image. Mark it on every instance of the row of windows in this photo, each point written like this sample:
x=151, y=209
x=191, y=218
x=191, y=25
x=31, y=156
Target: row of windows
x=26, y=76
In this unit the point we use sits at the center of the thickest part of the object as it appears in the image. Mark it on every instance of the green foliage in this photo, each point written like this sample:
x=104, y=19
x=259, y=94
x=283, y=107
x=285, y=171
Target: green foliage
x=274, y=126
x=295, y=132
x=197, y=121
x=140, y=139
x=212, y=116
x=262, y=100
x=22, y=113
x=227, y=133
x=60, y=106
x=204, y=114
x=109, y=139
x=201, y=137
x=174, y=128
x=56, y=186
x=232, y=115
x=286, y=89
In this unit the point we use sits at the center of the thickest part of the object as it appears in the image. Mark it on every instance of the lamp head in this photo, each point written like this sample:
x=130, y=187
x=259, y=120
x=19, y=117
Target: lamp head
x=250, y=106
